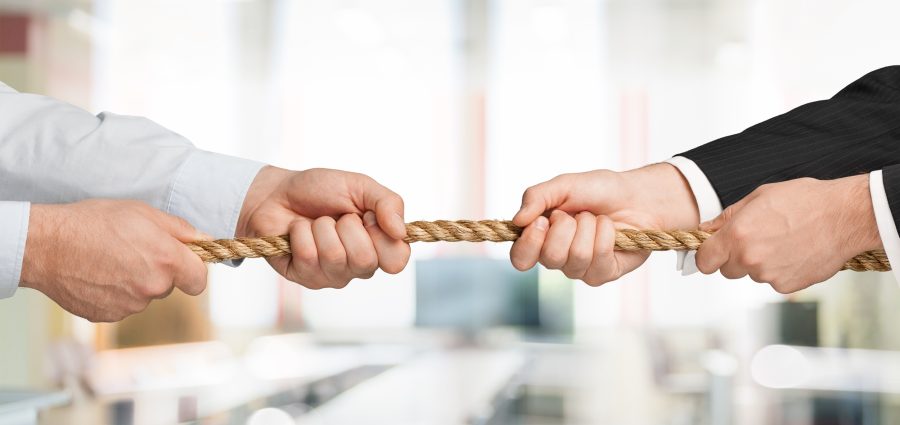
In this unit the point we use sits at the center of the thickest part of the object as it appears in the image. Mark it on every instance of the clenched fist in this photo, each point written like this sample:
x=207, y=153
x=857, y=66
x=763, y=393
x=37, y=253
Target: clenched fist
x=342, y=225
x=104, y=260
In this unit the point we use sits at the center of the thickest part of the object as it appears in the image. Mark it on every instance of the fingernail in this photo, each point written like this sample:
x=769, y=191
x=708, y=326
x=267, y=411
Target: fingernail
x=541, y=223
x=369, y=219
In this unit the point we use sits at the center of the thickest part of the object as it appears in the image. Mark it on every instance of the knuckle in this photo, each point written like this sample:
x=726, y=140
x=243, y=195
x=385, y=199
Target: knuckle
x=165, y=262
x=553, y=260
x=325, y=220
x=751, y=259
x=585, y=215
x=579, y=256
x=764, y=277
x=333, y=256
x=365, y=263
x=573, y=273
x=349, y=219
x=728, y=212
x=151, y=288
x=307, y=257
x=529, y=193
x=313, y=283
x=781, y=288
x=740, y=232
x=595, y=281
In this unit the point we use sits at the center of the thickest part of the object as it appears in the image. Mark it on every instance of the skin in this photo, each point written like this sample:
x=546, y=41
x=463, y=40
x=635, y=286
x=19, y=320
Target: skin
x=585, y=209
x=792, y=234
x=342, y=225
x=105, y=260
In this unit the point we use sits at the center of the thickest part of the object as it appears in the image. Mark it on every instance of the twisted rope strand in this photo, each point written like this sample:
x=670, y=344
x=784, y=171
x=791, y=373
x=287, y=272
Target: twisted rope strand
x=494, y=231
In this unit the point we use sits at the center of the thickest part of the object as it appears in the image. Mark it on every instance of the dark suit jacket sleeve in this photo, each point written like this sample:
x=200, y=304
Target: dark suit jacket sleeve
x=856, y=131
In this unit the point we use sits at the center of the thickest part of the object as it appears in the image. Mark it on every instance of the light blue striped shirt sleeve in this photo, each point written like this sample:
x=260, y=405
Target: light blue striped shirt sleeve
x=54, y=152
x=13, y=232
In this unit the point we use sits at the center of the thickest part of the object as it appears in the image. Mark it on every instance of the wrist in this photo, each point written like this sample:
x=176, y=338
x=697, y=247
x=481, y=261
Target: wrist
x=856, y=216
x=43, y=224
x=664, y=191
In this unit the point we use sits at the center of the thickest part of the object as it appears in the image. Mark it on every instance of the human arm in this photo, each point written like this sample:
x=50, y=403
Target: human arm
x=854, y=132
x=53, y=152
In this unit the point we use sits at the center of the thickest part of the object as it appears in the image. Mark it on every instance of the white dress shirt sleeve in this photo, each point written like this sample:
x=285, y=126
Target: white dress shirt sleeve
x=708, y=205
x=53, y=152
x=13, y=232
x=887, y=229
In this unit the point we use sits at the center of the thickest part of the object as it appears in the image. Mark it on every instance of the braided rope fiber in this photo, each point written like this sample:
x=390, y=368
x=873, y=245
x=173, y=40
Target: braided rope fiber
x=494, y=231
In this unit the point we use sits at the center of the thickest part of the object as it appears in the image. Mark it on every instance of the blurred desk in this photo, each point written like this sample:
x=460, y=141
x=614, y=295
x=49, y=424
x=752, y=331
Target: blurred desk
x=446, y=387
x=21, y=407
x=225, y=390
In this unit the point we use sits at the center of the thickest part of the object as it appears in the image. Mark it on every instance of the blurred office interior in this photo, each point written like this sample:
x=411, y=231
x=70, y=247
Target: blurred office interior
x=458, y=105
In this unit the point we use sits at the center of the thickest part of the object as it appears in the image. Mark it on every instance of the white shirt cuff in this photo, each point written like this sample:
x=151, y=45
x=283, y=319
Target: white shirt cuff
x=209, y=191
x=708, y=205
x=887, y=229
x=13, y=234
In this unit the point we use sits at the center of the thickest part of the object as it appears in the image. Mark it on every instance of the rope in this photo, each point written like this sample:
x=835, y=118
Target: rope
x=494, y=231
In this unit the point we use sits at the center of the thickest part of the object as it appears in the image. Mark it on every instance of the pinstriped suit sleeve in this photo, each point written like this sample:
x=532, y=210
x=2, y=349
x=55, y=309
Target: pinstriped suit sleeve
x=856, y=131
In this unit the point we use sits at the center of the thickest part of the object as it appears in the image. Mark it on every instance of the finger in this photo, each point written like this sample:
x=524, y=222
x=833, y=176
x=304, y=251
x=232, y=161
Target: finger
x=582, y=250
x=555, y=251
x=332, y=256
x=726, y=215
x=362, y=260
x=714, y=224
x=604, y=266
x=733, y=270
x=714, y=252
x=180, y=228
x=303, y=264
x=392, y=254
x=191, y=272
x=388, y=207
x=538, y=199
x=526, y=250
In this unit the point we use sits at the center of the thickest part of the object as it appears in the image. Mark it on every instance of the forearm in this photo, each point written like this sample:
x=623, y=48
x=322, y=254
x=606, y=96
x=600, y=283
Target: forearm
x=853, y=215
x=856, y=131
x=53, y=152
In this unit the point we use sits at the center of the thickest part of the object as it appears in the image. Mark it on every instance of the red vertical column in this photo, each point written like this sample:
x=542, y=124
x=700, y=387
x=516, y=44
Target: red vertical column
x=13, y=34
x=633, y=145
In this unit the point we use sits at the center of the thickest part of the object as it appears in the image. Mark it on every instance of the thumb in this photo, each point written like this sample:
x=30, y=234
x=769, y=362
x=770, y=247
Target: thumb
x=387, y=205
x=715, y=224
x=190, y=273
x=713, y=253
x=180, y=229
x=540, y=198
